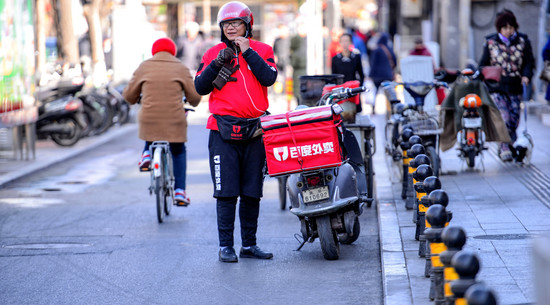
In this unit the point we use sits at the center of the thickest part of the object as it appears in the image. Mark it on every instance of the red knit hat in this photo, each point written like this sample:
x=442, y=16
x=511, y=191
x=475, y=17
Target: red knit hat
x=164, y=45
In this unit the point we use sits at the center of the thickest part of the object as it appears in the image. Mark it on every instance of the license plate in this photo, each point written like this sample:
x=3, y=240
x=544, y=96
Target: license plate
x=315, y=194
x=471, y=122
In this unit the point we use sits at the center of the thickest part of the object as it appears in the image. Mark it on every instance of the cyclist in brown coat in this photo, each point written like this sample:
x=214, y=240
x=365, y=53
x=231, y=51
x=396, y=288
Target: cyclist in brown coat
x=159, y=84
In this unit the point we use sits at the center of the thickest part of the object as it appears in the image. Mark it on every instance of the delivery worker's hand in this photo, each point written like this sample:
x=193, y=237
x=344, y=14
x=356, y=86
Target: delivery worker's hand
x=225, y=56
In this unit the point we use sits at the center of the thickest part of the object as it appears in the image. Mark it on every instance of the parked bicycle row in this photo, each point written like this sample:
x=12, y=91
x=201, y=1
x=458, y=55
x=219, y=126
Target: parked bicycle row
x=68, y=110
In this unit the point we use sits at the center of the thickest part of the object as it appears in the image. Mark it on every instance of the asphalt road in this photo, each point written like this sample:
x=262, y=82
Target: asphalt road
x=85, y=232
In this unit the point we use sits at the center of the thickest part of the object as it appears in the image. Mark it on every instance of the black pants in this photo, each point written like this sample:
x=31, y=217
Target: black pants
x=249, y=209
x=237, y=171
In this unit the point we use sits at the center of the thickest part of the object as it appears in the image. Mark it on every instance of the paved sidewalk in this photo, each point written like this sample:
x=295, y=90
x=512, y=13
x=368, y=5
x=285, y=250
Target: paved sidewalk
x=502, y=210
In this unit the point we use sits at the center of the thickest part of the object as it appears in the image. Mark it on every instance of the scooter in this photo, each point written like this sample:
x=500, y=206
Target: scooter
x=471, y=137
x=325, y=197
x=60, y=113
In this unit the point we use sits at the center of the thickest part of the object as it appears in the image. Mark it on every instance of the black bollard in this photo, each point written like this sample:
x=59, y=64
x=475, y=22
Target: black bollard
x=414, y=164
x=454, y=239
x=406, y=134
x=432, y=185
x=480, y=294
x=429, y=184
x=466, y=265
x=415, y=150
x=436, y=216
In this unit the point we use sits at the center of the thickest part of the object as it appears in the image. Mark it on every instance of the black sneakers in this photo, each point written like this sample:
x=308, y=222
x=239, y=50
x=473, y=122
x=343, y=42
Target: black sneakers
x=228, y=255
x=255, y=252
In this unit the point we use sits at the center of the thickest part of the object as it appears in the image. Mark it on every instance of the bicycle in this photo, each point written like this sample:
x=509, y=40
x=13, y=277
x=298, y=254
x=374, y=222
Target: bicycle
x=162, y=178
x=423, y=124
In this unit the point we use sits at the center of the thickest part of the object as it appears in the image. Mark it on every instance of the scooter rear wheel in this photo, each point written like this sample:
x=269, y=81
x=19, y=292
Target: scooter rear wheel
x=328, y=238
x=70, y=138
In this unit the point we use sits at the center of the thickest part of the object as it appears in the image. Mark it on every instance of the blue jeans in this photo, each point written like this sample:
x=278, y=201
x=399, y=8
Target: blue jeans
x=179, y=160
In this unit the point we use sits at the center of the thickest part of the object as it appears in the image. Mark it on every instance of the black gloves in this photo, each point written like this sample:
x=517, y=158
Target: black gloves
x=224, y=57
x=224, y=76
x=225, y=61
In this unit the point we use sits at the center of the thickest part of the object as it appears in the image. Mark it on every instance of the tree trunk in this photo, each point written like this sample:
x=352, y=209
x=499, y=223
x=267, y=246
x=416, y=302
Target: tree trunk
x=69, y=43
x=91, y=11
x=40, y=37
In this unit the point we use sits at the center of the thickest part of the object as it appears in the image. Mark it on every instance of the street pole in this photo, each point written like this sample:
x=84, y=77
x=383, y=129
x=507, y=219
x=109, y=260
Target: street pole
x=207, y=22
x=40, y=35
x=444, y=29
x=464, y=15
x=315, y=58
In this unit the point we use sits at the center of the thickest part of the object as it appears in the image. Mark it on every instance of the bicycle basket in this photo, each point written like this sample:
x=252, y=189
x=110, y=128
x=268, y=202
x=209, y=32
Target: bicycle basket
x=425, y=126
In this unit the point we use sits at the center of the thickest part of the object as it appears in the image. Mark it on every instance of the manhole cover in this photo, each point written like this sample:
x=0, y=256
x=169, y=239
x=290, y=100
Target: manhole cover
x=73, y=182
x=41, y=246
x=51, y=189
x=503, y=236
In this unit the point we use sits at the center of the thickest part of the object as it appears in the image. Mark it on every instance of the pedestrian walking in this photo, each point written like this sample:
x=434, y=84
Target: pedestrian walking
x=348, y=63
x=298, y=58
x=511, y=52
x=236, y=74
x=382, y=61
x=419, y=48
x=546, y=58
x=191, y=46
x=281, y=49
x=159, y=84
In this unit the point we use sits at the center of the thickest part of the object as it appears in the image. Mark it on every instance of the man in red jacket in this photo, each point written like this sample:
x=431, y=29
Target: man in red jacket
x=236, y=74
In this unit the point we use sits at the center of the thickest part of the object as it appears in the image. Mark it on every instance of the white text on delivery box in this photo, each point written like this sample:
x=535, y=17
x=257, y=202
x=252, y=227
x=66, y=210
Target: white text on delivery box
x=282, y=153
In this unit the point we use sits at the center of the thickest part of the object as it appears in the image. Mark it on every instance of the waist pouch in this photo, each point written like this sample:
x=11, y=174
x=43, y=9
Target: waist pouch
x=234, y=128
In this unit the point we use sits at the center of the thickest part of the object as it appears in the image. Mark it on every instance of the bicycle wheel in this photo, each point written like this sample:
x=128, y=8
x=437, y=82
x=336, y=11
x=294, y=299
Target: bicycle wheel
x=160, y=190
x=168, y=183
x=370, y=172
x=431, y=152
x=160, y=197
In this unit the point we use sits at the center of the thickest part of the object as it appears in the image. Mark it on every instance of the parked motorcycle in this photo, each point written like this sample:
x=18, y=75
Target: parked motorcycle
x=60, y=113
x=471, y=137
x=322, y=162
x=98, y=110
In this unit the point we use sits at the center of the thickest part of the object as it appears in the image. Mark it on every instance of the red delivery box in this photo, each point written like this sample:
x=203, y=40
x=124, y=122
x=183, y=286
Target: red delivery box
x=301, y=140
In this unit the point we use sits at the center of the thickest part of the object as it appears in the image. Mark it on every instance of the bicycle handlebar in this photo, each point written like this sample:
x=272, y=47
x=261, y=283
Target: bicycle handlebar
x=341, y=93
x=416, y=83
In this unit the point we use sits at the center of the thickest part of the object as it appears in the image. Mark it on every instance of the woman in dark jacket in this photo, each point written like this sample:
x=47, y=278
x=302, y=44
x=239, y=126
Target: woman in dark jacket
x=348, y=63
x=382, y=60
x=510, y=50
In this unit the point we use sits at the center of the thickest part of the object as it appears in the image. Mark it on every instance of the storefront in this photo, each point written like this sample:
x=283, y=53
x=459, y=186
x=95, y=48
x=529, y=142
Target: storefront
x=17, y=65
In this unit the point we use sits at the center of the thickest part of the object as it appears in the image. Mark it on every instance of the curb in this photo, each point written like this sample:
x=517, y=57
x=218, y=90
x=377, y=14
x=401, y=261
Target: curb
x=395, y=278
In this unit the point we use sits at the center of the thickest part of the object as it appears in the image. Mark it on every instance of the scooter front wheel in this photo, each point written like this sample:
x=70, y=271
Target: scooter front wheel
x=328, y=238
x=347, y=239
